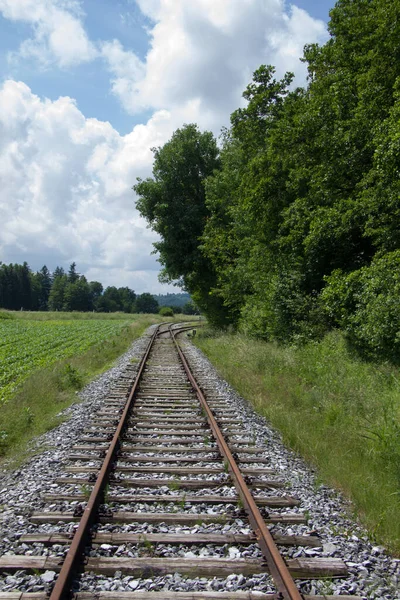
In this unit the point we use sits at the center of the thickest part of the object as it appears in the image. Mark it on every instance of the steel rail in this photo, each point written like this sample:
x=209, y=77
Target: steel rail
x=277, y=566
x=62, y=588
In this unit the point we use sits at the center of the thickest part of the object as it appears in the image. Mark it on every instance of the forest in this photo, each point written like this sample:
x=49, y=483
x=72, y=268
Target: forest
x=288, y=226
x=22, y=289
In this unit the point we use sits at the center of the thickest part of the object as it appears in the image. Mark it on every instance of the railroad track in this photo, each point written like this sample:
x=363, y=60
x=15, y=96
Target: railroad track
x=179, y=451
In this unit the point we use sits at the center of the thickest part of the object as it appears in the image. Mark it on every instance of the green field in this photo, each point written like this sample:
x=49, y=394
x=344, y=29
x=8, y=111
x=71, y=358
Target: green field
x=45, y=358
x=27, y=345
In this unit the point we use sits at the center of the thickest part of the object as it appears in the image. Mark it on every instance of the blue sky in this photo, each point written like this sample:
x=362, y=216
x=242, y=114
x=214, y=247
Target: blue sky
x=87, y=87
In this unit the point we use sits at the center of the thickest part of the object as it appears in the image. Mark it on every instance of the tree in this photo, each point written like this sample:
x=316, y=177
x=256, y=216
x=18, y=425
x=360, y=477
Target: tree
x=73, y=276
x=44, y=283
x=190, y=309
x=127, y=299
x=58, y=272
x=77, y=296
x=95, y=290
x=146, y=303
x=56, y=297
x=173, y=202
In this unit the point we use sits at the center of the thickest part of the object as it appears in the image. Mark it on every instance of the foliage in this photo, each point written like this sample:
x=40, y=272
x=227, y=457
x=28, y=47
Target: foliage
x=190, y=309
x=365, y=303
x=299, y=210
x=173, y=202
x=146, y=303
x=166, y=311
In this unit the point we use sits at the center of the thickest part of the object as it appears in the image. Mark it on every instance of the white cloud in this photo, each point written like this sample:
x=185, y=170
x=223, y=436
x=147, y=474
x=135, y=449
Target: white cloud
x=66, y=188
x=58, y=33
x=202, y=54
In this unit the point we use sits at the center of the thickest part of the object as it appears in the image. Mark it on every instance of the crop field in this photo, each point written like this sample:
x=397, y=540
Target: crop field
x=28, y=345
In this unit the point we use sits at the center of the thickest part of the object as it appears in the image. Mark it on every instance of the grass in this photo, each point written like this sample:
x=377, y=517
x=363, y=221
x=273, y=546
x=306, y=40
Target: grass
x=340, y=413
x=35, y=407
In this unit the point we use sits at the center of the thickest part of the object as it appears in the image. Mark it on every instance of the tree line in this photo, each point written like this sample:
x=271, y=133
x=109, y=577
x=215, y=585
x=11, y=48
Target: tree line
x=290, y=226
x=22, y=289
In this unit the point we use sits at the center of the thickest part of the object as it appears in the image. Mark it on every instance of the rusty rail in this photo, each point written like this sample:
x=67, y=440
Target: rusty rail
x=277, y=566
x=62, y=587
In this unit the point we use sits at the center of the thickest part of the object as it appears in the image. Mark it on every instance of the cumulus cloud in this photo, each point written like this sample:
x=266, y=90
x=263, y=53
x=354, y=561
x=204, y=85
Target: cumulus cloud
x=58, y=33
x=202, y=54
x=66, y=188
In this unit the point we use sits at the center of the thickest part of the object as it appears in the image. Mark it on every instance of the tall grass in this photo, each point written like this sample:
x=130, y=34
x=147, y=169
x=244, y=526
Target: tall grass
x=38, y=401
x=340, y=413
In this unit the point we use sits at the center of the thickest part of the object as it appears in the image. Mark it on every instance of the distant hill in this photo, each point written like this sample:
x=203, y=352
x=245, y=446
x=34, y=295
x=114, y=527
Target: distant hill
x=172, y=299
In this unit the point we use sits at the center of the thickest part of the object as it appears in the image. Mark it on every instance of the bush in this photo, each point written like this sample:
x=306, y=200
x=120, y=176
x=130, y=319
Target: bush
x=190, y=308
x=166, y=311
x=70, y=378
x=281, y=310
x=365, y=303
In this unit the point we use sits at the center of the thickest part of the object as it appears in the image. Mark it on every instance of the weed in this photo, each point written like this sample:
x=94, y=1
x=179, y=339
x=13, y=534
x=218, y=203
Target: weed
x=107, y=494
x=174, y=484
x=220, y=519
x=146, y=546
x=70, y=378
x=182, y=502
x=36, y=572
x=226, y=466
x=85, y=490
x=28, y=415
x=326, y=587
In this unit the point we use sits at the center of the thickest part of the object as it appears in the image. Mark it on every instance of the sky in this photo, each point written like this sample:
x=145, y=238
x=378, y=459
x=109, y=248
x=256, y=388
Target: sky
x=88, y=87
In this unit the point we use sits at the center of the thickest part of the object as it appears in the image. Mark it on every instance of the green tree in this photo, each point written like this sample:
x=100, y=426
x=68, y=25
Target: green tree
x=146, y=303
x=190, y=309
x=56, y=296
x=77, y=296
x=58, y=272
x=73, y=276
x=44, y=284
x=127, y=299
x=96, y=291
x=173, y=202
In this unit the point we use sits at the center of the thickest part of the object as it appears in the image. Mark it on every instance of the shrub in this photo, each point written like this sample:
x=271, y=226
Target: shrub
x=365, y=303
x=166, y=311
